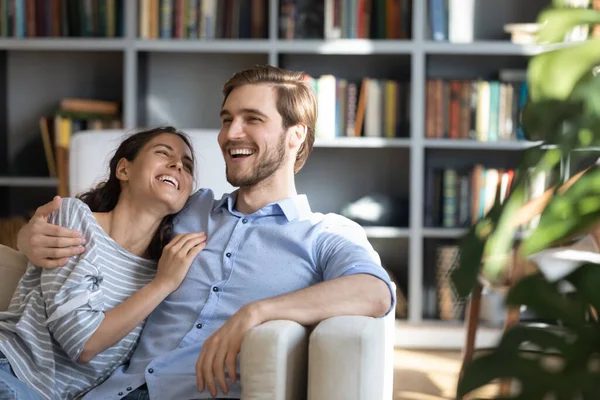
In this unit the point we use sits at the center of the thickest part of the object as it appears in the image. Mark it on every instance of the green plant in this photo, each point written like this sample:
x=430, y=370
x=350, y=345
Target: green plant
x=563, y=114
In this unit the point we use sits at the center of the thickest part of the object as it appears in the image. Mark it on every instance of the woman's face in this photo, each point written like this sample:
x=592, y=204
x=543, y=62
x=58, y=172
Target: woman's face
x=162, y=173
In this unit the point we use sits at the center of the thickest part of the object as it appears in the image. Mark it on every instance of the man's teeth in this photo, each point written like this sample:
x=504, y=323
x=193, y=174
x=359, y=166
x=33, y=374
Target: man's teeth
x=238, y=152
x=170, y=180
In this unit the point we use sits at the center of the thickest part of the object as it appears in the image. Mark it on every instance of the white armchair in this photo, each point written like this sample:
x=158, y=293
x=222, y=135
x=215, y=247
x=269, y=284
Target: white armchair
x=346, y=358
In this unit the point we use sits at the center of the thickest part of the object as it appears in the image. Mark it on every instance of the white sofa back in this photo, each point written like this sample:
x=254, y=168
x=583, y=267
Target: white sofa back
x=91, y=152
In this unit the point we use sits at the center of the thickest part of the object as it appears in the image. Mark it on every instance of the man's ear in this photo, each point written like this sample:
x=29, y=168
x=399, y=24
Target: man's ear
x=123, y=170
x=298, y=135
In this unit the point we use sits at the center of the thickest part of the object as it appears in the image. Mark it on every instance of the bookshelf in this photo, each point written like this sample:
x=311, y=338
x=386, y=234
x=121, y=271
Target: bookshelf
x=178, y=81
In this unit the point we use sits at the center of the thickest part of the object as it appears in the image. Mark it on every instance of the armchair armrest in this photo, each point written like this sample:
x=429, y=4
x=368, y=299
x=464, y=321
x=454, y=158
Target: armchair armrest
x=12, y=266
x=351, y=358
x=273, y=362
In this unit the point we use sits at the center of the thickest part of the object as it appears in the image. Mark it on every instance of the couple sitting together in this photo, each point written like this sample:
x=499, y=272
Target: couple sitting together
x=139, y=289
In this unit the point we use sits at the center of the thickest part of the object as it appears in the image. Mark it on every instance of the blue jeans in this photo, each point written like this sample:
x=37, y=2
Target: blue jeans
x=11, y=388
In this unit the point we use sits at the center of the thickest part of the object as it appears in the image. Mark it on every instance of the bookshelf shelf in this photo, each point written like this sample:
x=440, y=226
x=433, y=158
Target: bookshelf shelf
x=33, y=182
x=362, y=142
x=205, y=46
x=443, y=233
x=498, y=47
x=345, y=46
x=62, y=44
x=477, y=145
x=386, y=232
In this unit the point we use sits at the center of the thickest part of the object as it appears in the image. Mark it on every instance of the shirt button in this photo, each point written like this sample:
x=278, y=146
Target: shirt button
x=228, y=255
x=129, y=389
x=245, y=220
x=120, y=393
x=199, y=326
x=215, y=289
x=150, y=370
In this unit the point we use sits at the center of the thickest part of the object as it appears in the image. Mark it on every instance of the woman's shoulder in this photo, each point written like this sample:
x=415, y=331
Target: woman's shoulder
x=73, y=213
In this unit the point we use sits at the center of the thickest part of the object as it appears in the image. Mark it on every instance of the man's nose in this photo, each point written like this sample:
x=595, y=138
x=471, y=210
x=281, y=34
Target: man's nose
x=236, y=129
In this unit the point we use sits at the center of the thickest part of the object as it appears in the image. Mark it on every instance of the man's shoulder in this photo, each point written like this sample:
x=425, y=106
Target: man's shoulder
x=201, y=201
x=333, y=221
x=336, y=224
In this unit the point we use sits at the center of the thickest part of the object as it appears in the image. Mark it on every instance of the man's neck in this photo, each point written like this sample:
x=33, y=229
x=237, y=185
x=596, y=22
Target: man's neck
x=251, y=199
x=129, y=226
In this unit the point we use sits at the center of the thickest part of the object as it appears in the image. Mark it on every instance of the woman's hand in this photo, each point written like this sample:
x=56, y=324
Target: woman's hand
x=177, y=257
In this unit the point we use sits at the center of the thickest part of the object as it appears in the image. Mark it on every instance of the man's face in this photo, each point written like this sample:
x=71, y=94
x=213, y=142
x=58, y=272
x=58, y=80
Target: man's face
x=252, y=137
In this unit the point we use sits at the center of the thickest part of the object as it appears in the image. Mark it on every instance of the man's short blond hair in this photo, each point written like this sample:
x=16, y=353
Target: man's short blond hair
x=296, y=100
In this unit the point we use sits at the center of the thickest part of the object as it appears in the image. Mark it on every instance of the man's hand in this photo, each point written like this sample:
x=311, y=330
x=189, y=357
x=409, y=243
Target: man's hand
x=47, y=245
x=222, y=348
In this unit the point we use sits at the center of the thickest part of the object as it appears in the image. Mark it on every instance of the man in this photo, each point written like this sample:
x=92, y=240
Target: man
x=268, y=256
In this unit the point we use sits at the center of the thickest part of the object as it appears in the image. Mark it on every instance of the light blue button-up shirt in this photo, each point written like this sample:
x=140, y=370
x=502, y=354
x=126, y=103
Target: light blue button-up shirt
x=282, y=247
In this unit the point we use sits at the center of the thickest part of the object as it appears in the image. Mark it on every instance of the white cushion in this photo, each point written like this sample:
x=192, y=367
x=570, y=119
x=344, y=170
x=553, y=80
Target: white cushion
x=351, y=358
x=273, y=362
x=91, y=152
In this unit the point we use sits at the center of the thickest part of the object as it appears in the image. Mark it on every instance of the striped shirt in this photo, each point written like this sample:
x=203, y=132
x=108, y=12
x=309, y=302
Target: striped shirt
x=53, y=313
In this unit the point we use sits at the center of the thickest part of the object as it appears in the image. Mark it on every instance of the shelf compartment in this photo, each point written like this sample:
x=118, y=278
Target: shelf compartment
x=332, y=178
x=193, y=99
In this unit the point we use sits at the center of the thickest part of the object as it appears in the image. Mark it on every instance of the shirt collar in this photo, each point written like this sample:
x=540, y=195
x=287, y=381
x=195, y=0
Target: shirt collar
x=294, y=207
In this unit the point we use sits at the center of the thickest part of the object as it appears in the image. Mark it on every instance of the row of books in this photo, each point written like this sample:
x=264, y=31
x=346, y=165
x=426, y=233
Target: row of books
x=456, y=198
x=206, y=19
x=336, y=19
x=487, y=111
x=66, y=18
x=73, y=115
x=371, y=107
x=454, y=21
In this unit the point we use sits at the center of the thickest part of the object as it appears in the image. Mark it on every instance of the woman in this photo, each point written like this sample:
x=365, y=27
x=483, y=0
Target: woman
x=68, y=329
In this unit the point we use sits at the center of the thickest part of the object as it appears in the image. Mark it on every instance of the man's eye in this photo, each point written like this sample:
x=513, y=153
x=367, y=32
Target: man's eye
x=226, y=121
x=162, y=152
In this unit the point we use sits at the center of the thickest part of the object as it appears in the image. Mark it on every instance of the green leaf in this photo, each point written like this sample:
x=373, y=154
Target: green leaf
x=487, y=368
x=570, y=213
x=556, y=22
x=543, y=120
x=500, y=242
x=544, y=299
x=553, y=75
x=586, y=280
x=471, y=247
x=544, y=338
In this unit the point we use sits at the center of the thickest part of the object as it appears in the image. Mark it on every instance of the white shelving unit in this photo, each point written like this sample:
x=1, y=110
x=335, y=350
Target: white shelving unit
x=178, y=82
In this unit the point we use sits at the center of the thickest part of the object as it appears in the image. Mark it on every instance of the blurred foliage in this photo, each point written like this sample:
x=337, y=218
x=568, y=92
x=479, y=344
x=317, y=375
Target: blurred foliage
x=562, y=114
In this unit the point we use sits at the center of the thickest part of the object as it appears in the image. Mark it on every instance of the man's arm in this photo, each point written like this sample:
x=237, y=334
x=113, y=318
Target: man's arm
x=359, y=294
x=47, y=245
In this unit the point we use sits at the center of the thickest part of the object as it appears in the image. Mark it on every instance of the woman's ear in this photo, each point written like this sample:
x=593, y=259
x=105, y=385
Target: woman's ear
x=122, y=170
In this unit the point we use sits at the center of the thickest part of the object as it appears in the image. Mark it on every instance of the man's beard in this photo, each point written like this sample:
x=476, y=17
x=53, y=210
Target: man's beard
x=268, y=164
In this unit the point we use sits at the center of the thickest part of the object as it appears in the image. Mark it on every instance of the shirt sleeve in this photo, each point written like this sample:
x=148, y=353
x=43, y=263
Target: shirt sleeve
x=343, y=249
x=72, y=294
